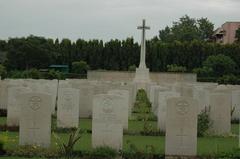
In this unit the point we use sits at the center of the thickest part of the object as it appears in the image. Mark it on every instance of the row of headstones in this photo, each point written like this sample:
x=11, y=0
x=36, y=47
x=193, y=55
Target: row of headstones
x=62, y=93
x=110, y=116
x=220, y=100
x=181, y=124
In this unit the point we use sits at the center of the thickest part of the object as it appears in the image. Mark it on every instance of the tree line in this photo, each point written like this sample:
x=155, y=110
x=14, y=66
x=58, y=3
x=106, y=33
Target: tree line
x=39, y=52
x=186, y=44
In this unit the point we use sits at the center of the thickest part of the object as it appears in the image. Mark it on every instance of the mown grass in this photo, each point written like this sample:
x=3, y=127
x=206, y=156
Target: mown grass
x=206, y=145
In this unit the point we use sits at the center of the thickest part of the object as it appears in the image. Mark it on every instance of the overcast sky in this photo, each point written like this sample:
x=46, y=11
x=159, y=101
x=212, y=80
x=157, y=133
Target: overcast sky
x=105, y=19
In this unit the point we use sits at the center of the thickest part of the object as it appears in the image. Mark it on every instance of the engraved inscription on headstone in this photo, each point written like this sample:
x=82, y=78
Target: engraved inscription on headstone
x=124, y=105
x=68, y=108
x=182, y=107
x=34, y=103
x=181, y=127
x=107, y=128
x=162, y=106
x=35, y=119
x=220, y=113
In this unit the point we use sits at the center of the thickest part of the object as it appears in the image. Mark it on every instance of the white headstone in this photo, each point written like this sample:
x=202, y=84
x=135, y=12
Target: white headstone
x=181, y=127
x=155, y=90
x=236, y=104
x=220, y=110
x=124, y=104
x=13, y=110
x=107, y=128
x=162, y=107
x=35, y=119
x=68, y=108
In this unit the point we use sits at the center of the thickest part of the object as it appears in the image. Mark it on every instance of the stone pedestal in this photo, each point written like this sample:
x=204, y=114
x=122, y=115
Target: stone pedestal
x=142, y=78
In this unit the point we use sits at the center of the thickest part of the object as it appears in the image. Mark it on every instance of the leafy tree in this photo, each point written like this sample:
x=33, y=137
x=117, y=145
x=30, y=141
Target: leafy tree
x=27, y=53
x=206, y=28
x=238, y=35
x=166, y=34
x=187, y=29
x=220, y=64
x=80, y=67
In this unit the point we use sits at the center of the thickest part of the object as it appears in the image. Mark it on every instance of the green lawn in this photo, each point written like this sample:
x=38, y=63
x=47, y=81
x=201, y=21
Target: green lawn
x=206, y=145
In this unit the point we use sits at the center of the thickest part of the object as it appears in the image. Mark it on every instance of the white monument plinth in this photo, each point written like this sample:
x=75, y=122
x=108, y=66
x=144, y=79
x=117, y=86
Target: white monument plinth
x=142, y=72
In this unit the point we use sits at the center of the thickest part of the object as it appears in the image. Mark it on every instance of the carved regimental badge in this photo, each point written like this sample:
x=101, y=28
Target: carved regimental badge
x=107, y=105
x=35, y=103
x=182, y=107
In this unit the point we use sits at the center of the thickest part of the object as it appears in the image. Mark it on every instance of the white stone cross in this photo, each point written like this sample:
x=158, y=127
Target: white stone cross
x=143, y=45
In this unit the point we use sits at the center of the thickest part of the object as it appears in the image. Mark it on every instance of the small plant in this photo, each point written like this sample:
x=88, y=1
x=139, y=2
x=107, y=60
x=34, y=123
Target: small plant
x=32, y=73
x=103, y=153
x=135, y=153
x=67, y=148
x=203, y=122
x=2, y=151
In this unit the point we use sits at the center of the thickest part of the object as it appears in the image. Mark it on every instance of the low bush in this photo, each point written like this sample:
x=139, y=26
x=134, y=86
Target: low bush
x=203, y=122
x=15, y=74
x=203, y=72
x=2, y=151
x=132, y=68
x=9, y=128
x=234, y=154
x=32, y=73
x=176, y=68
x=229, y=79
x=103, y=153
x=33, y=151
x=134, y=153
x=52, y=74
